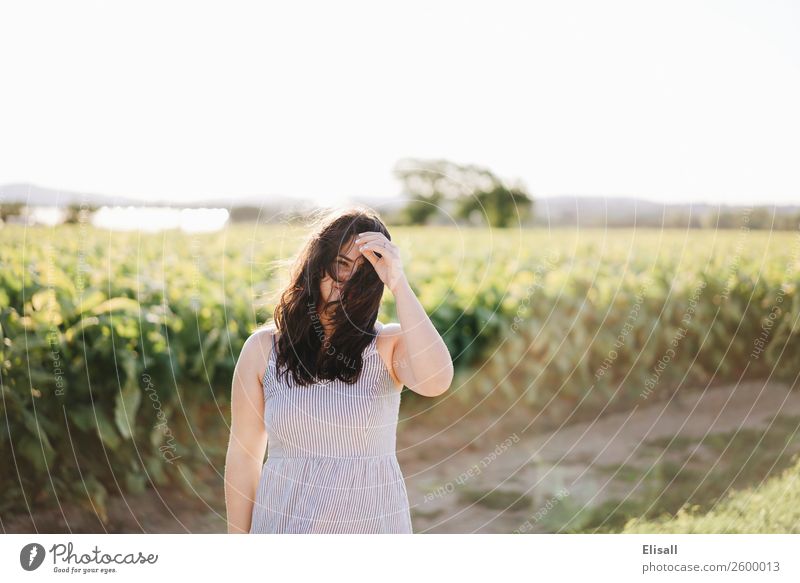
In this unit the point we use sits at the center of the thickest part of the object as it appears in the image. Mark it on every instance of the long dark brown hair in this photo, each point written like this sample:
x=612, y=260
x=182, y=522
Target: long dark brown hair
x=302, y=348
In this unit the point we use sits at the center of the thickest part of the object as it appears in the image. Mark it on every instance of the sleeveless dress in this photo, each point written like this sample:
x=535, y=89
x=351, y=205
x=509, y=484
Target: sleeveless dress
x=331, y=463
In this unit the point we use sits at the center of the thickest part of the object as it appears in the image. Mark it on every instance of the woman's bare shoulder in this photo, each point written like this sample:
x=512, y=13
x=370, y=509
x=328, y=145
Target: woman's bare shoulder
x=388, y=330
x=264, y=328
x=388, y=335
x=262, y=335
x=256, y=349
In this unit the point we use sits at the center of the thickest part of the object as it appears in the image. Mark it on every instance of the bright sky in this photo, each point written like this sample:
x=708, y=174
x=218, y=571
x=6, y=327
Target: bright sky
x=673, y=101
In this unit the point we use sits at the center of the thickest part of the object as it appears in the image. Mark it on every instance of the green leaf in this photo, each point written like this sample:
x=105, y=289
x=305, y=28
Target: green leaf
x=135, y=482
x=117, y=305
x=97, y=497
x=85, y=322
x=30, y=449
x=82, y=417
x=91, y=300
x=105, y=429
x=42, y=299
x=36, y=448
x=127, y=404
x=155, y=468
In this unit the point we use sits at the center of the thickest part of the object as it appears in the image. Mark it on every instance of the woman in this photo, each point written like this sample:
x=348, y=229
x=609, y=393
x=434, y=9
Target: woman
x=321, y=387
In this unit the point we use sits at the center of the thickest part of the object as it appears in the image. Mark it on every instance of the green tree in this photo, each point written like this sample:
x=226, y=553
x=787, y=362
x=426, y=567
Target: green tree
x=467, y=192
x=77, y=213
x=10, y=209
x=501, y=206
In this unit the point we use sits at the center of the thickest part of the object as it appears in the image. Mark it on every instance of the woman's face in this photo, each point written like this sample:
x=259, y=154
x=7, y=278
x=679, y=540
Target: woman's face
x=344, y=266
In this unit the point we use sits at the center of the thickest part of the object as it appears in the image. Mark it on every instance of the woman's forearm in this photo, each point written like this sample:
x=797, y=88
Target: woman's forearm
x=429, y=358
x=242, y=474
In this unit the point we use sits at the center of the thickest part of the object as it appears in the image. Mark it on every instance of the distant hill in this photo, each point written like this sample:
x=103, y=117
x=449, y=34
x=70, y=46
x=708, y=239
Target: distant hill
x=626, y=211
x=34, y=195
x=563, y=210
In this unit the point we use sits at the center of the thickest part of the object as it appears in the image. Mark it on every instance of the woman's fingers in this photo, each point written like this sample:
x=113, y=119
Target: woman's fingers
x=376, y=250
x=371, y=236
x=370, y=255
x=376, y=241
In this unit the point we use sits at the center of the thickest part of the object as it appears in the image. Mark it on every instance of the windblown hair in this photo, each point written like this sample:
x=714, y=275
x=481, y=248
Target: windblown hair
x=302, y=349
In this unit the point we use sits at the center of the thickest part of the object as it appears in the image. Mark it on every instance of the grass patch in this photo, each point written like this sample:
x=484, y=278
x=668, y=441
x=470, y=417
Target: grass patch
x=682, y=481
x=495, y=499
x=770, y=508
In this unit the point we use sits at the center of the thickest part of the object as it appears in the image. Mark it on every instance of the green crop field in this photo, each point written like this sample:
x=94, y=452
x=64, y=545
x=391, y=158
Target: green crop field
x=118, y=348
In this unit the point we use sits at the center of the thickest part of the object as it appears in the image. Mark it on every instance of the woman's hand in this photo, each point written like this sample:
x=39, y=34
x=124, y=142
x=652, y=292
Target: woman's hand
x=384, y=256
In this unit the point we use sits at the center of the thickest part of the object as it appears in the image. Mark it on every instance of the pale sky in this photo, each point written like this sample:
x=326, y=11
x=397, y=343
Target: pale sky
x=669, y=101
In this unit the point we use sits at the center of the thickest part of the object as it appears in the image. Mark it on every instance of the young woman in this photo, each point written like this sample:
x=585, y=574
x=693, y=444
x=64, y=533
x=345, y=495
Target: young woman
x=320, y=387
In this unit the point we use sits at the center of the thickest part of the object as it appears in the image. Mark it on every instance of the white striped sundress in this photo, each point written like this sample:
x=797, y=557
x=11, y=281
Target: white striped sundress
x=331, y=462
